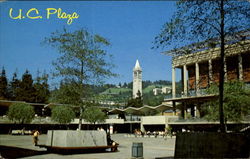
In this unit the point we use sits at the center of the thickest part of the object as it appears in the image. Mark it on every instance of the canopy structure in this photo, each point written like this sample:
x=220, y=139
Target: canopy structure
x=143, y=110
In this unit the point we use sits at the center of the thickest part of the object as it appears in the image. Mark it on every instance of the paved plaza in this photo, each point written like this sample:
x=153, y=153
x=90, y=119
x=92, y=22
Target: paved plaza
x=152, y=147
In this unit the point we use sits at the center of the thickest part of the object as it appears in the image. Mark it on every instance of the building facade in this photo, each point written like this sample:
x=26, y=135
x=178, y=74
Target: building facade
x=200, y=69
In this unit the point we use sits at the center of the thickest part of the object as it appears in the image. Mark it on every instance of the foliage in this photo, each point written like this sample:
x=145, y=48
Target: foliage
x=83, y=58
x=62, y=114
x=202, y=20
x=236, y=102
x=21, y=113
x=136, y=102
x=3, y=85
x=68, y=93
x=152, y=100
x=26, y=90
x=93, y=115
x=41, y=89
x=83, y=61
x=14, y=87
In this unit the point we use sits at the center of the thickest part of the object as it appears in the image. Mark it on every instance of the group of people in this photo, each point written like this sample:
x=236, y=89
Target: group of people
x=154, y=133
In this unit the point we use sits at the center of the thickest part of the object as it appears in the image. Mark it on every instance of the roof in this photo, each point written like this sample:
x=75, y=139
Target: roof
x=137, y=66
x=209, y=44
x=143, y=110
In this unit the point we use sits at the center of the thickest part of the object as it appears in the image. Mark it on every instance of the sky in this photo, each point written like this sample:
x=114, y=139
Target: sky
x=130, y=26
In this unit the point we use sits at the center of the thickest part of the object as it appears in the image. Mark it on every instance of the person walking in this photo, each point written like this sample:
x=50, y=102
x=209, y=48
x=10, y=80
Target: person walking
x=35, y=137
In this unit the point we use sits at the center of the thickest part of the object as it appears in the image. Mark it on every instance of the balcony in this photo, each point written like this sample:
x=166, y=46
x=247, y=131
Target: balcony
x=191, y=93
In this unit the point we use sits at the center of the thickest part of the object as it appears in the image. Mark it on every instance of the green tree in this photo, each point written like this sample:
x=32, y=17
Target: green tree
x=136, y=102
x=216, y=22
x=26, y=91
x=62, y=114
x=41, y=88
x=14, y=86
x=21, y=113
x=83, y=61
x=3, y=85
x=236, y=102
x=93, y=115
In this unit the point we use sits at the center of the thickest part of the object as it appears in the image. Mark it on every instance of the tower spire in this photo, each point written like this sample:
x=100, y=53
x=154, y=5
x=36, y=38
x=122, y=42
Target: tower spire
x=137, y=66
x=137, y=79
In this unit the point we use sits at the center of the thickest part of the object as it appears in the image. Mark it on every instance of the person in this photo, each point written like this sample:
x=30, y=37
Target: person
x=112, y=143
x=35, y=137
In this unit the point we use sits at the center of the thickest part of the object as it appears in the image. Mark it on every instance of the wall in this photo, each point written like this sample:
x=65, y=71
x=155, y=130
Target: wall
x=211, y=145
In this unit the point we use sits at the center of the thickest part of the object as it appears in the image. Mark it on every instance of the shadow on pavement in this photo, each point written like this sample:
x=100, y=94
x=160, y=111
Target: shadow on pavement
x=16, y=152
x=164, y=158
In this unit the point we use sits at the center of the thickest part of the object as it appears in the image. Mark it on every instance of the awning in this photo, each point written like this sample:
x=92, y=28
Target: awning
x=143, y=110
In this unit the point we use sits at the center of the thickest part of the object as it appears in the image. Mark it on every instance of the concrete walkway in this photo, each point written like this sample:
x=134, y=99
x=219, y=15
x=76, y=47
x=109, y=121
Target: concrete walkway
x=152, y=147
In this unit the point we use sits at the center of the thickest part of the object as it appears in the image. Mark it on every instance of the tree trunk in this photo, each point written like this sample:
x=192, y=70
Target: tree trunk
x=80, y=119
x=222, y=55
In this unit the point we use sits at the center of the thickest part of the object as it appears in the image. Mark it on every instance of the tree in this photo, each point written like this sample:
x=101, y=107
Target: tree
x=3, y=85
x=136, y=102
x=14, y=87
x=216, y=22
x=83, y=60
x=236, y=102
x=94, y=115
x=21, y=113
x=62, y=114
x=41, y=89
x=26, y=91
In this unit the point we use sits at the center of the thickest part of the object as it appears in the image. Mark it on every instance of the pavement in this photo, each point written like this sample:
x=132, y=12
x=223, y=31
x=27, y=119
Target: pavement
x=153, y=148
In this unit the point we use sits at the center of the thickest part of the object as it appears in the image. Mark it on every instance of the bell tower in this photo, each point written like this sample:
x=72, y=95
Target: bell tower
x=137, y=79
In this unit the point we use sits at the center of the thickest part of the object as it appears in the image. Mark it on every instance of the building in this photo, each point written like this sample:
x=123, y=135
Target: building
x=162, y=90
x=137, y=79
x=200, y=69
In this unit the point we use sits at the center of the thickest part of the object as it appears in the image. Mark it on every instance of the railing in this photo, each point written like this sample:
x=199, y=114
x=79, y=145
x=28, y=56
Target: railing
x=191, y=93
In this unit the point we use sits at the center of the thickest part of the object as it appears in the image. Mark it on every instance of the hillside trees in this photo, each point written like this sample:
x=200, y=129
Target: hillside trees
x=41, y=88
x=14, y=87
x=83, y=60
x=215, y=22
x=25, y=89
x=136, y=102
x=3, y=85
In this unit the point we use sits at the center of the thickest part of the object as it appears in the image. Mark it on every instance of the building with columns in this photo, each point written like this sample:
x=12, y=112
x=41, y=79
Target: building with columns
x=200, y=69
x=137, y=79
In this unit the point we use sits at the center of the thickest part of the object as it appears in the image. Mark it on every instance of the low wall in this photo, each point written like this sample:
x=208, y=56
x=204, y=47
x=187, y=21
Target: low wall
x=211, y=145
x=75, y=138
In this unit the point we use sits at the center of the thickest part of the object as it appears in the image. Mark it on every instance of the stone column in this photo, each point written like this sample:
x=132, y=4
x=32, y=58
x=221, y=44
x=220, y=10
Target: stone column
x=174, y=108
x=142, y=126
x=225, y=69
x=195, y=111
x=197, y=78
x=210, y=71
x=185, y=80
x=240, y=67
x=111, y=129
x=173, y=83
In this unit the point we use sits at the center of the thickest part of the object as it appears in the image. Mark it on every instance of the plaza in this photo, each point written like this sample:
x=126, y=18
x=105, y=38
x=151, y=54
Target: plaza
x=152, y=147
